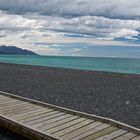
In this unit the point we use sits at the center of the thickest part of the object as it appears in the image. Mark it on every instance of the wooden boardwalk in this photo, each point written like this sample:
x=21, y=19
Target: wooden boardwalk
x=41, y=121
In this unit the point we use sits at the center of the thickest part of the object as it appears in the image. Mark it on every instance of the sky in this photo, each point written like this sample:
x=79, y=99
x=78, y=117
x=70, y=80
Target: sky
x=97, y=28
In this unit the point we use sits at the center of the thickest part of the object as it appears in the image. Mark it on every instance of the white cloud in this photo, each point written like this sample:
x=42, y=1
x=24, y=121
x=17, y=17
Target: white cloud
x=75, y=52
x=26, y=31
x=46, y=50
x=126, y=33
x=16, y=21
x=100, y=22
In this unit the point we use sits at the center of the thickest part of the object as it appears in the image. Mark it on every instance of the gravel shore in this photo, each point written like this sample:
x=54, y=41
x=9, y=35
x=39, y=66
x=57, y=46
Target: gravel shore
x=111, y=95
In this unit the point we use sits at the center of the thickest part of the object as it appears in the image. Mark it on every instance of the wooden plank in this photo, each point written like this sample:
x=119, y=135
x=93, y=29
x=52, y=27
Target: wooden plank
x=32, y=118
x=25, y=130
x=28, y=114
x=6, y=99
x=21, y=111
x=101, y=133
x=73, y=128
x=9, y=107
x=65, y=125
x=1, y=96
x=17, y=104
x=126, y=136
x=9, y=100
x=113, y=135
x=47, y=116
x=92, y=131
x=50, y=121
x=13, y=108
x=136, y=138
x=81, y=130
x=58, y=124
x=16, y=111
x=8, y=103
x=2, y=102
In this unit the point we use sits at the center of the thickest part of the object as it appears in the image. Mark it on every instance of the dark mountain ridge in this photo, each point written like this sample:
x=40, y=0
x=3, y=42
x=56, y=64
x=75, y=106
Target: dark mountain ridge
x=13, y=50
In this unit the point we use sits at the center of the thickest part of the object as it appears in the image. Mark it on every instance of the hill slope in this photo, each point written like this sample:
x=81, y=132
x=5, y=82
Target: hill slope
x=15, y=51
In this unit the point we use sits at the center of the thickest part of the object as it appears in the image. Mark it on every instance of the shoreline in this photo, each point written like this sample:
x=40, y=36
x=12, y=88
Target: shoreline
x=108, y=70
x=107, y=94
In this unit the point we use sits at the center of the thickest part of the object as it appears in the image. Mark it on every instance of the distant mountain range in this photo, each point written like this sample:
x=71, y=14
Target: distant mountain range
x=13, y=50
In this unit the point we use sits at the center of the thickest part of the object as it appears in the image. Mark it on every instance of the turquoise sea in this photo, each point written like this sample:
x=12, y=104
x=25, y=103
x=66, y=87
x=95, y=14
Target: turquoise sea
x=121, y=65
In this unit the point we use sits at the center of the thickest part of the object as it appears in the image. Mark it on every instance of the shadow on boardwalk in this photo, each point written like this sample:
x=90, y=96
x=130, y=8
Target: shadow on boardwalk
x=8, y=135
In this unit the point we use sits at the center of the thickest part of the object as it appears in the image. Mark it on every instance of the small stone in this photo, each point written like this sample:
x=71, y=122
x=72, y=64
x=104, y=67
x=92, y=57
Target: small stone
x=127, y=102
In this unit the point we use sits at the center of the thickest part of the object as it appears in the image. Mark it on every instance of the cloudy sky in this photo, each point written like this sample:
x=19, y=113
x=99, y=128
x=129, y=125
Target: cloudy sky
x=100, y=28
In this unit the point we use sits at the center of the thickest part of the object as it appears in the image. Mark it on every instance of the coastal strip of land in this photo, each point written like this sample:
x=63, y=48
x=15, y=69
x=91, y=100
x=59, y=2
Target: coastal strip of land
x=111, y=95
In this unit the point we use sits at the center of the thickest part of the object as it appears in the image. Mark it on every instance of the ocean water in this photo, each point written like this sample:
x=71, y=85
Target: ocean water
x=121, y=65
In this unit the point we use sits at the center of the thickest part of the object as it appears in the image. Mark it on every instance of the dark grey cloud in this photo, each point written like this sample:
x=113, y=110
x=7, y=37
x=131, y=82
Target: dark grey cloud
x=121, y=9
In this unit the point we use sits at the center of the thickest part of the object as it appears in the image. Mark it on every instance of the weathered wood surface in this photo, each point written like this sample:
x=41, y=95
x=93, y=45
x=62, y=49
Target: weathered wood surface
x=39, y=121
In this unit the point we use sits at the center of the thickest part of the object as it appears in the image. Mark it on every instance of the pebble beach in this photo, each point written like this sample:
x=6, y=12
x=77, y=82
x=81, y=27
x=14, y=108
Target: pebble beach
x=112, y=95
